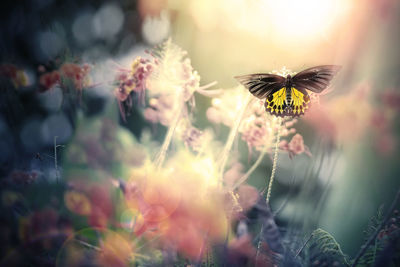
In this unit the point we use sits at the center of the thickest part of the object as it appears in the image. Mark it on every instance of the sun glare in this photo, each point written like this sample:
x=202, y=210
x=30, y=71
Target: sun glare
x=288, y=19
x=304, y=18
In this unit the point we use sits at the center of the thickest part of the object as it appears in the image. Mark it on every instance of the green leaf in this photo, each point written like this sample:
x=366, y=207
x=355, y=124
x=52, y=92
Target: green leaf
x=323, y=250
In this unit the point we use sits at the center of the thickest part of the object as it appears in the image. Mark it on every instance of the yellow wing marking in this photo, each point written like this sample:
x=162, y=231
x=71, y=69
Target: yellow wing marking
x=299, y=101
x=277, y=101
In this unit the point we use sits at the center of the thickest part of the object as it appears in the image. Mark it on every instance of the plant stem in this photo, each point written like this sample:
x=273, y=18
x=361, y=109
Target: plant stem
x=304, y=245
x=275, y=160
x=231, y=137
x=259, y=242
x=251, y=170
x=168, y=138
x=55, y=159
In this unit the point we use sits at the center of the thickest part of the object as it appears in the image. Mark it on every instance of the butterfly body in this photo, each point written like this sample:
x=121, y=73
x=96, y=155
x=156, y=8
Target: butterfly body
x=288, y=92
x=287, y=96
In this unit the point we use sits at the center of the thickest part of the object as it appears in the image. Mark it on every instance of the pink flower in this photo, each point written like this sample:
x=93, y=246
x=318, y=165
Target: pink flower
x=193, y=138
x=173, y=73
x=255, y=133
x=391, y=99
x=76, y=73
x=385, y=144
x=295, y=146
x=129, y=81
x=160, y=110
x=233, y=174
x=340, y=120
x=48, y=80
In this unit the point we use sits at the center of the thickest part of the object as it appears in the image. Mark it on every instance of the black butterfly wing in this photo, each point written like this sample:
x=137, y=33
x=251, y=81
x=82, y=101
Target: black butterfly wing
x=315, y=79
x=262, y=84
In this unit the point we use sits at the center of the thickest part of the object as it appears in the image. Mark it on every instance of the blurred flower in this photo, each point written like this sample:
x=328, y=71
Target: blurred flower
x=241, y=252
x=77, y=202
x=232, y=175
x=160, y=110
x=151, y=7
x=68, y=72
x=102, y=207
x=172, y=83
x=101, y=143
x=92, y=200
x=76, y=73
x=156, y=29
x=384, y=8
x=341, y=120
x=42, y=228
x=382, y=122
x=295, y=146
x=385, y=144
x=173, y=72
x=243, y=198
x=192, y=137
x=116, y=251
x=133, y=80
x=391, y=99
x=17, y=76
x=9, y=198
x=19, y=177
x=224, y=108
x=179, y=203
x=50, y=79
x=97, y=247
x=247, y=196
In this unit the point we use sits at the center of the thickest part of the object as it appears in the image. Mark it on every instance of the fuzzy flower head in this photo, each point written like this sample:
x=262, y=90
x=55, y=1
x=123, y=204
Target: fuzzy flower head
x=171, y=83
x=173, y=72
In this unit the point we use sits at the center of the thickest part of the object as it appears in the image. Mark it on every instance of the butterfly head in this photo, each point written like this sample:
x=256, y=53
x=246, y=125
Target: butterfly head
x=288, y=81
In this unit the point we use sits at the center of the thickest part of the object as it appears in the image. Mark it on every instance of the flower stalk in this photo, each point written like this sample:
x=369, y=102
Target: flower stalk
x=170, y=133
x=232, y=134
x=275, y=159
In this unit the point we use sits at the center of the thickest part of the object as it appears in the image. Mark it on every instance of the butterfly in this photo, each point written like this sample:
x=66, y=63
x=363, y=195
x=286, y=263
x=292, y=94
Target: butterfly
x=288, y=96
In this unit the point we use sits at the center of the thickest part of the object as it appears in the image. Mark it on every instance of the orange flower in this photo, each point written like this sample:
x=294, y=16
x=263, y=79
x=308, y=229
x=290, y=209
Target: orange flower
x=17, y=76
x=77, y=202
x=91, y=200
x=101, y=206
x=77, y=74
x=116, y=251
x=179, y=205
